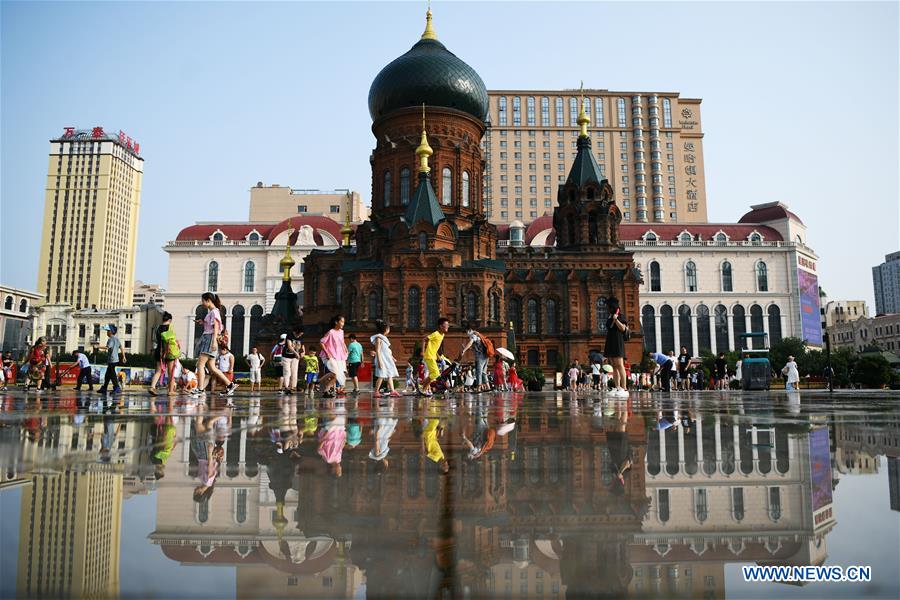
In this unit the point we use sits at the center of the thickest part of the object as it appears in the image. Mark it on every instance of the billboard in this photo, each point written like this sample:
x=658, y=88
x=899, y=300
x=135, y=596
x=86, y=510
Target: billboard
x=810, y=317
x=820, y=468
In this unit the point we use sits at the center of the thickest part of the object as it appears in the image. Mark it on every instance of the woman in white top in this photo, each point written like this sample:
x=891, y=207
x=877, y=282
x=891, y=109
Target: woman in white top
x=385, y=367
x=792, y=375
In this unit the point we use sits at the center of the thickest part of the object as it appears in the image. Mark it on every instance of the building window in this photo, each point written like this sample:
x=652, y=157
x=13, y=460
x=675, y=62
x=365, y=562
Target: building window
x=667, y=112
x=8, y=303
x=726, y=277
x=471, y=306
x=684, y=328
x=655, y=277
x=413, y=308
x=339, y=290
x=701, y=506
x=514, y=315
x=465, y=188
x=755, y=239
x=598, y=107
x=334, y=209
x=559, y=112
x=663, y=500
x=240, y=509
x=218, y=237
x=690, y=276
x=774, y=324
x=721, y=327
x=404, y=186
x=762, y=277
x=573, y=112
x=81, y=330
x=704, y=335
x=739, y=324
x=774, y=503
x=249, y=276
x=387, y=188
x=529, y=104
x=517, y=111
x=552, y=318
x=502, y=110
x=532, y=316
x=446, y=186
x=431, y=306
x=667, y=327
x=545, y=112
x=648, y=326
x=495, y=308
x=374, y=304
x=620, y=103
x=602, y=314
x=301, y=208
x=212, y=277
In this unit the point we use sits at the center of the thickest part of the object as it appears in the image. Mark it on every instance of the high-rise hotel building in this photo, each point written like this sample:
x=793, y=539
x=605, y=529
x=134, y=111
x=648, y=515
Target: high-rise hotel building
x=90, y=219
x=648, y=144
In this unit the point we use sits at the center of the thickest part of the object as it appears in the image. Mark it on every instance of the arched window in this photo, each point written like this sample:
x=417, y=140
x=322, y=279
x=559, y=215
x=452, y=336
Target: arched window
x=533, y=357
x=350, y=305
x=387, y=188
x=465, y=188
x=249, y=276
x=704, y=335
x=495, y=307
x=721, y=314
x=253, y=237
x=650, y=237
x=685, y=237
x=684, y=328
x=432, y=306
x=237, y=330
x=667, y=328
x=762, y=277
x=240, y=508
x=23, y=305
x=413, y=308
x=8, y=303
x=721, y=238
x=514, y=314
x=423, y=240
x=739, y=325
x=374, y=304
x=471, y=306
x=663, y=497
x=602, y=314
x=655, y=277
x=774, y=324
x=620, y=106
x=552, y=317
x=199, y=315
x=755, y=238
x=756, y=324
x=648, y=326
x=218, y=237
x=256, y=315
x=339, y=290
x=667, y=112
x=774, y=503
x=726, y=277
x=532, y=315
x=212, y=276
x=690, y=276
x=446, y=186
x=404, y=186
x=203, y=513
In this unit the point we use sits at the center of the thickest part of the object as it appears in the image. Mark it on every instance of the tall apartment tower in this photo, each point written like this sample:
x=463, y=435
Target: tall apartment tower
x=90, y=219
x=648, y=144
x=886, y=279
x=69, y=532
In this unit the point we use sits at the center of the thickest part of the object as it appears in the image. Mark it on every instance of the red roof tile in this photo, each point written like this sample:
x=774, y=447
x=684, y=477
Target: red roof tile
x=268, y=231
x=772, y=211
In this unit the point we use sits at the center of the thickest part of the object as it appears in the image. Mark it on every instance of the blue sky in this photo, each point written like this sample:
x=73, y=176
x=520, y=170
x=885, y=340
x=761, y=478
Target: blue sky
x=800, y=101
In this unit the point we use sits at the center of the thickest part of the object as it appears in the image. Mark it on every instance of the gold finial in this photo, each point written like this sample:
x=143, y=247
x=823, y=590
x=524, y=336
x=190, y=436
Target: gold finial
x=424, y=150
x=583, y=120
x=287, y=261
x=346, y=230
x=429, y=33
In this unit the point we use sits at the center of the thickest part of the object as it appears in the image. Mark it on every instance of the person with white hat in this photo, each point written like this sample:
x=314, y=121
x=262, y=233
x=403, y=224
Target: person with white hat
x=792, y=375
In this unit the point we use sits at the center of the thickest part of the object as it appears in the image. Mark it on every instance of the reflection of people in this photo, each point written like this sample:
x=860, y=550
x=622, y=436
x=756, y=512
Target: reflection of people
x=431, y=446
x=164, y=439
x=385, y=425
x=332, y=439
x=618, y=445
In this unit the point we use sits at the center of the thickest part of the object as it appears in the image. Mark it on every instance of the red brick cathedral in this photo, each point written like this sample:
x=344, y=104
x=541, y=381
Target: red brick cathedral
x=428, y=250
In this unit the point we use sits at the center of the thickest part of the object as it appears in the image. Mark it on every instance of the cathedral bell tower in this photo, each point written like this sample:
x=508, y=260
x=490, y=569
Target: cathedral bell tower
x=586, y=216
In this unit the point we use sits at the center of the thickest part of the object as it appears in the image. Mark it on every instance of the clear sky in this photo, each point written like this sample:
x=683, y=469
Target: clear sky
x=800, y=102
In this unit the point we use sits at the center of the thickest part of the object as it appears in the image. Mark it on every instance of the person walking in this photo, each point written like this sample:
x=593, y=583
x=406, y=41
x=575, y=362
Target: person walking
x=684, y=361
x=84, y=371
x=225, y=363
x=159, y=351
x=385, y=367
x=208, y=345
x=276, y=356
x=573, y=374
x=115, y=356
x=616, y=325
x=791, y=374
x=721, y=372
x=595, y=375
x=431, y=344
x=255, y=361
x=290, y=363
x=499, y=374
x=354, y=361
x=335, y=353
x=311, y=370
x=481, y=351
x=663, y=368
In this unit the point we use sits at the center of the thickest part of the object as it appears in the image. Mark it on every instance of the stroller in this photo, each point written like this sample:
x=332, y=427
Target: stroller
x=448, y=379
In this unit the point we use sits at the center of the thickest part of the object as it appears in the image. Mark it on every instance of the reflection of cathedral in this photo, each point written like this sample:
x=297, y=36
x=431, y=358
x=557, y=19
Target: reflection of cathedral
x=429, y=251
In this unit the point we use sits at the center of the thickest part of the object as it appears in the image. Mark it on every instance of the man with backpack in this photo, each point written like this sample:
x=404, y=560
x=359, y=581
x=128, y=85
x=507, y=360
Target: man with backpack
x=483, y=349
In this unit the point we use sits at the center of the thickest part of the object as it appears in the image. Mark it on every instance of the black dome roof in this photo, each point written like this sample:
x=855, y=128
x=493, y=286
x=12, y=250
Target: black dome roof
x=431, y=74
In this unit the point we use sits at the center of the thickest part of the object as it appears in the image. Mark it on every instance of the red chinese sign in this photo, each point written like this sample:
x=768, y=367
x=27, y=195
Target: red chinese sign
x=97, y=133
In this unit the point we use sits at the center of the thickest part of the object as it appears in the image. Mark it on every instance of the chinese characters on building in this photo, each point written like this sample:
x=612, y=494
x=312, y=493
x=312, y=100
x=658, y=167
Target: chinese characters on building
x=690, y=169
x=97, y=133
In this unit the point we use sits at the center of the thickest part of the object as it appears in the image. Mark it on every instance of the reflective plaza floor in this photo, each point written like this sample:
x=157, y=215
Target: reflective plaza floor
x=539, y=495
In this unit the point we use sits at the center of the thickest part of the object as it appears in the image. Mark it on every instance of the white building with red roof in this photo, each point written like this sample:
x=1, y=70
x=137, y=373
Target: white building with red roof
x=706, y=283
x=239, y=262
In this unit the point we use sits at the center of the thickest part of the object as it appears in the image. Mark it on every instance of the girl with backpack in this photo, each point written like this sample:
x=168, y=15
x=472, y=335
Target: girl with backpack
x=161, y=350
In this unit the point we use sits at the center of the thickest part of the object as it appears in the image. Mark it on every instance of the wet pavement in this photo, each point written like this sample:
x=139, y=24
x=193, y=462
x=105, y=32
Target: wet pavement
x=538, y=495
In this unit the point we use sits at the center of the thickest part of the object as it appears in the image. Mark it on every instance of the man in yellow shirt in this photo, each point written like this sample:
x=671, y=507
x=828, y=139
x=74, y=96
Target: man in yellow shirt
x=431, y=344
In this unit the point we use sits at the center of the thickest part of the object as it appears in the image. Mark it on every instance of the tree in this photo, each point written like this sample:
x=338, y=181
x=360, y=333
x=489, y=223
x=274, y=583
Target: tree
x=873, y=370
x=789, y=346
